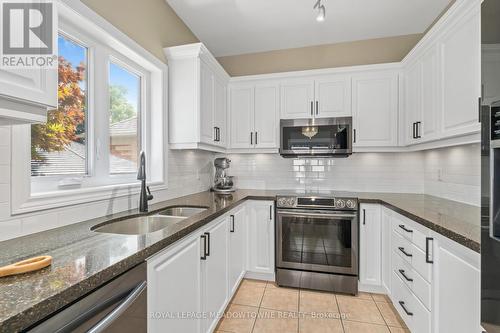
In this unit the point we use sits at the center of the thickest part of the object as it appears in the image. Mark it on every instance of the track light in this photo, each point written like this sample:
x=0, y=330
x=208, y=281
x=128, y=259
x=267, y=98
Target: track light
x=321, y=11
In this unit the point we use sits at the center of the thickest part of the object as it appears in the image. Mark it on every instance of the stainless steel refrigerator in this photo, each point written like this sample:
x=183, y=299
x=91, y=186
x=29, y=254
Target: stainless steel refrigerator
x=490, y=166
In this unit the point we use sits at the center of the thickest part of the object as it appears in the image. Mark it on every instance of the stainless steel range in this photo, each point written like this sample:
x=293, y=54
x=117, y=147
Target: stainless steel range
x=317, y=243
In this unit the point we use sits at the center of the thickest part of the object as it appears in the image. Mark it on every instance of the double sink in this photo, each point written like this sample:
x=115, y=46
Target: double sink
x=141, y=225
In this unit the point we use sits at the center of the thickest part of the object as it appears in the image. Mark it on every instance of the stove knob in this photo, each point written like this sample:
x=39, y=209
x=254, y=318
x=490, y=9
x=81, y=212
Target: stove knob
x=339, y=203
x=351, y=204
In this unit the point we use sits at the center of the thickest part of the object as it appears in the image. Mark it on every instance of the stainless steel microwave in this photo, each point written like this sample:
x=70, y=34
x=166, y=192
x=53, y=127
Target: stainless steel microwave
x=324, y=137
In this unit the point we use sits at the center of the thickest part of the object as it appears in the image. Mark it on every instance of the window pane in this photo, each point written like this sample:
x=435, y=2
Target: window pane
x=124, y=92
x=58, y=147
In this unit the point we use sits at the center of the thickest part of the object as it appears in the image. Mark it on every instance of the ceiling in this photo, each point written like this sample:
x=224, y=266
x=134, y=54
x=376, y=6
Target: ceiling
x=230, y=27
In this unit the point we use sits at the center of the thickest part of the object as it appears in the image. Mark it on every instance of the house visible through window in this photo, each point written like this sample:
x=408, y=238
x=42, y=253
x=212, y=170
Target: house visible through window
x=124, y=104
x=59, y=147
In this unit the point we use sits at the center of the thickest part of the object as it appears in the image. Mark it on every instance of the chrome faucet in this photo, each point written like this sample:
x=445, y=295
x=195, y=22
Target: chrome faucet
x=141, y=175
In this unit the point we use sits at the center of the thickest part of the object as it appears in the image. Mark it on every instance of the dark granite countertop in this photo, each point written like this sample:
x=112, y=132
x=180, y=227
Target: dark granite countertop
x=83, y=260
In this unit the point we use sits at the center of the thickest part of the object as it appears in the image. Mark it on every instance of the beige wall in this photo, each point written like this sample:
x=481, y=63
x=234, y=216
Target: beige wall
x=373, y=51
x=151, y=23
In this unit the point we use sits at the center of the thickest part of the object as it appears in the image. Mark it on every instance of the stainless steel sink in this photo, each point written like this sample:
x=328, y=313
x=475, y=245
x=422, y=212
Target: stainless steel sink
x=184, y=211
x=139, y=225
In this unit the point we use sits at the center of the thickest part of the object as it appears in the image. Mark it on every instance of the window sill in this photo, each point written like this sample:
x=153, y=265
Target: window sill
x=62, y=198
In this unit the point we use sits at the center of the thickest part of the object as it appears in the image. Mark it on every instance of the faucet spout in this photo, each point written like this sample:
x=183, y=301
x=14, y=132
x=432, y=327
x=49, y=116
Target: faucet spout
x=141, y=175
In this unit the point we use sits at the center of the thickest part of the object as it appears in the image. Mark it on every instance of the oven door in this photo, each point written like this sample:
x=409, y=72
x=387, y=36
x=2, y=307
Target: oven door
x=317, y=240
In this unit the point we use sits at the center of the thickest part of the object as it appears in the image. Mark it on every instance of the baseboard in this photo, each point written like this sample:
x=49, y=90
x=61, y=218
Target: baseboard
x=372, y=288
x=260, y=276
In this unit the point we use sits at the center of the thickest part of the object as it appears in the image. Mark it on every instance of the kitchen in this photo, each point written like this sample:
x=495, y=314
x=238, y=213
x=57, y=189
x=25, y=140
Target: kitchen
x=236, y=166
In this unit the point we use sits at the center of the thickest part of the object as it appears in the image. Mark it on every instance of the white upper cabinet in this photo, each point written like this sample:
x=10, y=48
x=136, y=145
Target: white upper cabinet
x=297, y=99
x=254, y=115
x=197, y=99
x=375, y=109
x=461, y=67
x=332, y=96
x=317, y=97
x=26, y=95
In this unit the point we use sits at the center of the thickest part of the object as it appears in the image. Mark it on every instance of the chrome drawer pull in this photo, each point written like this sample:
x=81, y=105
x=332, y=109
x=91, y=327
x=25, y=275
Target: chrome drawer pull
x=404, y=308
x=402, y=249
x=402, y=272
x=402, y=226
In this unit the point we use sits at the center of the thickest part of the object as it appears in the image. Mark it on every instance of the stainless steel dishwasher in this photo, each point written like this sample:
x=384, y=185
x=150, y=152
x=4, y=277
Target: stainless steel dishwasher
x=118, y=306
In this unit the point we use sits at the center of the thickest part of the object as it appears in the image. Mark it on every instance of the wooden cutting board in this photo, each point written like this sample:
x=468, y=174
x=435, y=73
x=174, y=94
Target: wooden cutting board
x=24, y=266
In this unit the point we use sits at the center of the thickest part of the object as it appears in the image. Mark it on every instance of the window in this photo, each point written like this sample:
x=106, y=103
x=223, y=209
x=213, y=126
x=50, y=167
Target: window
x=59, y=147
x=124, y=111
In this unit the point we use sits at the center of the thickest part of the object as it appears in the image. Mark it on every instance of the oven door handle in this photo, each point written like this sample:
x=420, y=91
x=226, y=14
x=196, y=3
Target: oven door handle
x=307, y=214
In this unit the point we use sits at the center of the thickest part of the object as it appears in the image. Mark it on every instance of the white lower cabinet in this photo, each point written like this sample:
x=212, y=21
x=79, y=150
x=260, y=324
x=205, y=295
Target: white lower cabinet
x=370, y=262
x=432, y=281
x=191, y=282
x=261, y=237
x=237, y=246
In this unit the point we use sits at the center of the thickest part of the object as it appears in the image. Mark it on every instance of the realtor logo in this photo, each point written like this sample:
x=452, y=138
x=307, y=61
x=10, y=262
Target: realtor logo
x=28, y=34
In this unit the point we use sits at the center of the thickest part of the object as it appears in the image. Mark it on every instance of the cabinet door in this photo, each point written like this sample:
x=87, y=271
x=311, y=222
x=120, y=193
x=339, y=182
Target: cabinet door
x=375, y=109
x=413, y=100
x=220, y=111
x=242, y=116
x=215, y=273
x=237, y=246
x=332, y=96
x=429, y=129
x=33, y=85
x=386, y=230
x=207, y=130
x=297, y=99
x=266, y=116
x=456, y=287
x=174, y=286
x=370, y=246
x=261, y=236
x=460, y=72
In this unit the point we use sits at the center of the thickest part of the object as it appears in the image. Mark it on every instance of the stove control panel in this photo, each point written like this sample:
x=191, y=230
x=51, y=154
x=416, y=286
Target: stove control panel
x=286, y=202
x=316, y=202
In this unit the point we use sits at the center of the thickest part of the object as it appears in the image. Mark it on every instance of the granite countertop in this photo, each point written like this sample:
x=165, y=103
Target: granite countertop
x=83, y=260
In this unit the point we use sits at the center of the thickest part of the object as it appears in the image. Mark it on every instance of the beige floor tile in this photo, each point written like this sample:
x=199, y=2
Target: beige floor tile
x=253, y=283
x=308, y=324
x=319, y=302
x=360, y=295
x=356, y=309
x=357, y=327
x=248, y=295
x=399, y=330
x=270, y=321
x=381, y=298
x=281, y=299
x=238, y=319
x=390, y=314
x=273, y=285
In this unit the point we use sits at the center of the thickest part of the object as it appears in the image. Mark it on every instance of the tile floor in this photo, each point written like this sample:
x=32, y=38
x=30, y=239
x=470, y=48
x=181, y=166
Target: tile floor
x=262, y=307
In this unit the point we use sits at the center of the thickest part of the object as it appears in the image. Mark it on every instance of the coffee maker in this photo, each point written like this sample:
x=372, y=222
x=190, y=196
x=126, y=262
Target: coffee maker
x=222, y=182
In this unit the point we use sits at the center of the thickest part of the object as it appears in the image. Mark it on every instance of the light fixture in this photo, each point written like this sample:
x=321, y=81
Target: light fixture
x=309, y=131
x=321, y=11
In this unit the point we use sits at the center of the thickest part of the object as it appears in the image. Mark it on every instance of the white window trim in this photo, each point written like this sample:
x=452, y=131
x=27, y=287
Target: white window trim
x=155, y=124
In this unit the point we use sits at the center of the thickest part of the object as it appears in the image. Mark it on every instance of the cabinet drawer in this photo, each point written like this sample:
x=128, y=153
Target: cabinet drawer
x=415, y=282
x=413, y=312
x=412, y=254
x=409, y=230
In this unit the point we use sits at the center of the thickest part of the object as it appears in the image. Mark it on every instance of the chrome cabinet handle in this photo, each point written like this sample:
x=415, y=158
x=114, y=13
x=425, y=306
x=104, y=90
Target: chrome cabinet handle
x=364, y=216
x=427, y=250
x=256, y=138
x=402, y=249
x=231, y=228
x=312, y=107
x=204, y=256
x=270, y=212
x=317, y=107
x=251, y=138
x=354, y=135
x=118, y=311
x=403, y=274
x=402, y=226
x=208, y=244
x=405, y=309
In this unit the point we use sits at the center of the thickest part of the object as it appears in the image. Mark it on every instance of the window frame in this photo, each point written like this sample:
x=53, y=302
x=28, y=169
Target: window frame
x=104, y=44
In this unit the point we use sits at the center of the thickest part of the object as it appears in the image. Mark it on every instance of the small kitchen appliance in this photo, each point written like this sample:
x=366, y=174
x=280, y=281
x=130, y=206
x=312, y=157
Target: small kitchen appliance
x=222, y=182
x=317, y=243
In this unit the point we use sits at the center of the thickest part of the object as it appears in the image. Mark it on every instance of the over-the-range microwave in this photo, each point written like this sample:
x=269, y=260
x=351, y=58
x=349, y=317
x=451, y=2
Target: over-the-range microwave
x=323, y=137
